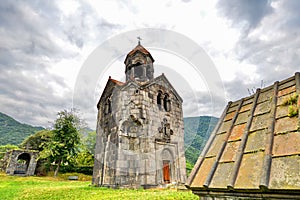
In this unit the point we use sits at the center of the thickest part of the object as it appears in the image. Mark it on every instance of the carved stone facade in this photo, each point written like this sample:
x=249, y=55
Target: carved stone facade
x=140, y=136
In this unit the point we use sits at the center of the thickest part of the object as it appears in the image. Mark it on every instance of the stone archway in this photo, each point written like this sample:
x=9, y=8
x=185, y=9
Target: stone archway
x=21, y=162
x=167, y=166
x=22, y=165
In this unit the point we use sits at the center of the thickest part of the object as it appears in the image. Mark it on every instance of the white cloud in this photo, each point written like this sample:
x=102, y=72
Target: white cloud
x=68, y=7
x=45, y=44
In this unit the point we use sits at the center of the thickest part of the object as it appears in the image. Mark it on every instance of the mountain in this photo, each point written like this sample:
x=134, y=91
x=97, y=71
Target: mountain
x=14, y=132
x=196, y=132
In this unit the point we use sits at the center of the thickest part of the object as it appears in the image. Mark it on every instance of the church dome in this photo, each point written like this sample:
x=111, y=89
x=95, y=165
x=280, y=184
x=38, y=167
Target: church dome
x=141, y=49
x=139, y=64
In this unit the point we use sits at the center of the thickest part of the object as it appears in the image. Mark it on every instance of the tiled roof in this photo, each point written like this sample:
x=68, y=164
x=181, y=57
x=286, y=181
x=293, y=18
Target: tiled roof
x=138, y=48
x=255, y=145
x=109, y=85
x=116, y=81
x=141, y=49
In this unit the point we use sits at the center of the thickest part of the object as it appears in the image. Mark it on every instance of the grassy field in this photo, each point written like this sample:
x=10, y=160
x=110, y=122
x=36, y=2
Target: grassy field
x=12, y=187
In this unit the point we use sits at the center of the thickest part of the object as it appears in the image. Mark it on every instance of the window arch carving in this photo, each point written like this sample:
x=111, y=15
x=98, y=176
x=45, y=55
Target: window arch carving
x=138, y=70
x=165, y=132
x=107, y=106
x=159, y=100
x=167, y=103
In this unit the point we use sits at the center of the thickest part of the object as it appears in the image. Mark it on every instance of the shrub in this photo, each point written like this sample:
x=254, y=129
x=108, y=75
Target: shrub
x=87, y=170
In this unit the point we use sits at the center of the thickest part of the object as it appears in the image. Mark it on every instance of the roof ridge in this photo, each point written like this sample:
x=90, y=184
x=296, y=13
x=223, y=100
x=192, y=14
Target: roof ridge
x=116, y=81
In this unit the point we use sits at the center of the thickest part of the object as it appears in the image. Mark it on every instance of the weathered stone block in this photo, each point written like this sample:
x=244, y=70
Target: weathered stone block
x=216, y=145
x=237, y=132
x=262, y=108
x=246, y=107
x=286, y=91
x=286, y=124
x=285, y=173
x=260, y=122
x=266, y=95
x=222, y=175
x=242, y=117
x=283, y=99
x=250, y=170
x=256, y=141
x=229, y=116
x=287, y=83
x=281, y=111
x=230, y=151
x=233, y=107
x=287, y=144
x=225, y=126
x=203, y=172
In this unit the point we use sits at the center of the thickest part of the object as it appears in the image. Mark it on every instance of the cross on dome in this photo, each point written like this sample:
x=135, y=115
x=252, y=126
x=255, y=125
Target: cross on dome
x=139, y=40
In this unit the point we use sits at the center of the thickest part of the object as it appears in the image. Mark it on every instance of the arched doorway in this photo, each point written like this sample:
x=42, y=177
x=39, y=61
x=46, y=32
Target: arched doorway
x=167, y=162
x=166, y=171
x=22, y=164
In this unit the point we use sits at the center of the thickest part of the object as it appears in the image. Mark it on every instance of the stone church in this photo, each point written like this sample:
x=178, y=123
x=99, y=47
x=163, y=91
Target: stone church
x=140, y=134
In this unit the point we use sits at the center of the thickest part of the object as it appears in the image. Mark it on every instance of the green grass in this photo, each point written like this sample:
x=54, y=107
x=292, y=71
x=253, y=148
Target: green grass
x=12, y=187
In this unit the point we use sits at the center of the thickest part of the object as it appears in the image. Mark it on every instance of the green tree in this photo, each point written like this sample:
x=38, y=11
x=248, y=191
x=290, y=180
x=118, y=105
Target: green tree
x=84, y=158
x=38, y=140
x=90, y=142
x=3, y=150
x=6, y=148
x=65, y=139
x=87, y=150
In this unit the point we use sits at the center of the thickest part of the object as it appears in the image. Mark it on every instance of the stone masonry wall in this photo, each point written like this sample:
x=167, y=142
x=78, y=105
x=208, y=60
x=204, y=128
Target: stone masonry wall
x=135, y=134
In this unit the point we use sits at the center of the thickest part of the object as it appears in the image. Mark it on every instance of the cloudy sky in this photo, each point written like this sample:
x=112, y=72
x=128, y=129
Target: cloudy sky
x=44, y=46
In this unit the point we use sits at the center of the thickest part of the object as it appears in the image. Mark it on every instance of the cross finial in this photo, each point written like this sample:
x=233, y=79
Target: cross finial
x=139, y=38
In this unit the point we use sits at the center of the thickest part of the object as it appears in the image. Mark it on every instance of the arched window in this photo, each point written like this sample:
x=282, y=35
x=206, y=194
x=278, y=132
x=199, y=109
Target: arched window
x=167, y=103
x=149, y=72
x=107, y=106
x=138, y=70
x=159, y=99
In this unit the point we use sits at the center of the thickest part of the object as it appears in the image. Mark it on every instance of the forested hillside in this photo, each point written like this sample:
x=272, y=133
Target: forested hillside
x=196, y=132
x=14, y=132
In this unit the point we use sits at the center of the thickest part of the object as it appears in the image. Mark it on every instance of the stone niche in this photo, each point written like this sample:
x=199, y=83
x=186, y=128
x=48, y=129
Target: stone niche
x=21, y=162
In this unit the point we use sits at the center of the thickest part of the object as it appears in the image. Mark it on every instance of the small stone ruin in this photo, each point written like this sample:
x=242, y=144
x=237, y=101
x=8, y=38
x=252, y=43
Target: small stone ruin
x=20, y=162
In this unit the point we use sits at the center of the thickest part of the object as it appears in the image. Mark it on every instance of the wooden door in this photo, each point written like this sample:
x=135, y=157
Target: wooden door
x=166, y=171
